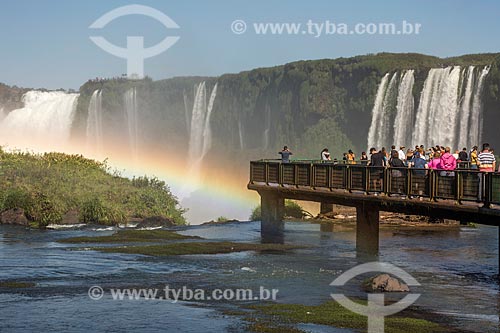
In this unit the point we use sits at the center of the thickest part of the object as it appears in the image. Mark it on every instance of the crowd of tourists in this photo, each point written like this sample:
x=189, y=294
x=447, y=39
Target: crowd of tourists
x=437, y=158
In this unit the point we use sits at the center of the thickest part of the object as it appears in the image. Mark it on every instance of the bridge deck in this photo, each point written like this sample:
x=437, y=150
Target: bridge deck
x=465, y=195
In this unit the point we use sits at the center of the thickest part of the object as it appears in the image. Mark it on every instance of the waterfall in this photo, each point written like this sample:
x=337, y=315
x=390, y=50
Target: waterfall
x=267, y=127
x=207, y=131
x=444, y=118
x=379, y=132
x=44, y=123
x=476, y=118
x=200, y=138
x=94, y=134
x=131, y=114
x=450, y=108
x=2, y=114
x=420, y=128
x=377, y=113
x=186, y=112
x=465, y=110
x=436, y=121
x=240, y=133
x=403, y=124
x=197, y=124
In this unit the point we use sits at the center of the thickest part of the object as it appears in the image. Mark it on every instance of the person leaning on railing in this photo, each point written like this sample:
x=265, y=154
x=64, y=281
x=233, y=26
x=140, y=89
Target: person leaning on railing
x=486, y=160
x=351, y=157
x=285, y=154
x=473, y=158
x=448, y=163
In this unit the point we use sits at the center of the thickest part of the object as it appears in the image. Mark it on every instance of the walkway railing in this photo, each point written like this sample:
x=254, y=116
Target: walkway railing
x=459, y=185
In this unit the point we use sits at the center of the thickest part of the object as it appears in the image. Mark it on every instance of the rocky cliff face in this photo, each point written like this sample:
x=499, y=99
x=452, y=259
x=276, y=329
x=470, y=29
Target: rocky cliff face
x=11, y=97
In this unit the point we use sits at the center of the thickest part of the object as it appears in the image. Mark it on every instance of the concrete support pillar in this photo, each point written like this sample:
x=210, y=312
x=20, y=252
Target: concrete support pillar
x=325, y=208
x=367, y=230
x=272, y=212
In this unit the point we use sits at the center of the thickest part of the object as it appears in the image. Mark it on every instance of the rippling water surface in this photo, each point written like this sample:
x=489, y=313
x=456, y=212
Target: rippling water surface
x=457, y=270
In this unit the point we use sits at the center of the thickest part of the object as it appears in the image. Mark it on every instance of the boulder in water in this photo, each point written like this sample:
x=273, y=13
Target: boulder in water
x=387, y=283
x=154, y=222
x=14, y=216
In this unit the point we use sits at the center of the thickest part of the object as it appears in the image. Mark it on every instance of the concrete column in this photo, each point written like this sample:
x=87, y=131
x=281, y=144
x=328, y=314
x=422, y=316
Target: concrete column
x=325, y=208
x=367, y=230
x=272, y=212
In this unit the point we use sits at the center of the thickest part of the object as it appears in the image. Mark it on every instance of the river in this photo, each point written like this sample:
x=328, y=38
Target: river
x=457, y=270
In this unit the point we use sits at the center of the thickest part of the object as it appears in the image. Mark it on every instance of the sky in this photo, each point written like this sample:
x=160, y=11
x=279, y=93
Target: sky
x=46, y=44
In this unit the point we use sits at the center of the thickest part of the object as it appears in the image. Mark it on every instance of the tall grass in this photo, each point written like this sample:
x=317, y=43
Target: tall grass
x=46, y=186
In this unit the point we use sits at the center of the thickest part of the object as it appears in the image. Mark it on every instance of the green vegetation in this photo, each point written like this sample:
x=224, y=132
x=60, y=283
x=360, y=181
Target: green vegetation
x=292, y=209
x=175, y=249
x=16, y=284
x=130, y=236
x=307, y=105
x=48, y=186
x=332, y=314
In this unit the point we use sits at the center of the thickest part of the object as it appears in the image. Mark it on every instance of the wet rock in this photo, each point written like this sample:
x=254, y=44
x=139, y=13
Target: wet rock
x=387, y=283
x=14, y=216
x=154, y=222
x=71, y=217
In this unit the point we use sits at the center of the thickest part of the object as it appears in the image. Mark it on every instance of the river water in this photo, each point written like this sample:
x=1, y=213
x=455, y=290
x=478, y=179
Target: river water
x=457, y=270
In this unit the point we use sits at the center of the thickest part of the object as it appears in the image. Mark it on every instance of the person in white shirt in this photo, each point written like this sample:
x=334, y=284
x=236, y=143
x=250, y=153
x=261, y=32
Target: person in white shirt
x=325, y=155
x=402, y=154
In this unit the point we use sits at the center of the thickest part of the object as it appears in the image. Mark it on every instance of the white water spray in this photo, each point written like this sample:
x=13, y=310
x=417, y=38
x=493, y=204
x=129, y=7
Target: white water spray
x=403, y=124
x=476, y=119
x=377, y=112
x=132, y=121
x=94, y=133
x=43, y=124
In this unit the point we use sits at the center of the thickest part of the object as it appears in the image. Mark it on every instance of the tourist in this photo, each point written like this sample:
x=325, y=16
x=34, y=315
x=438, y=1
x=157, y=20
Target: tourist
x=486, y=160
x=409, y=154
x=462, y=156
x=384, y=155
x=351, y=157
x=325, y=155
x=419, y=175
x=417, y=161
x=456, y=155
x=285, y=155
x=401, y=153
x=397, y=175
x=473, y=158
x=448, y=163
x=430, y=153
x=395, y=162
x=377, y=164
x=364, y=158
x=393, y=150
x=435, y=162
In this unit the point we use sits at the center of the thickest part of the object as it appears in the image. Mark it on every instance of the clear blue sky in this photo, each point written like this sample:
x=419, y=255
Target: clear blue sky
x=45, y=43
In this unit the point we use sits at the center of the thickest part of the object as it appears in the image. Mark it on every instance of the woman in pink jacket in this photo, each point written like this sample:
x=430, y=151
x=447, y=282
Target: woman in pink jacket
x=448, y=161
x=435, y=162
